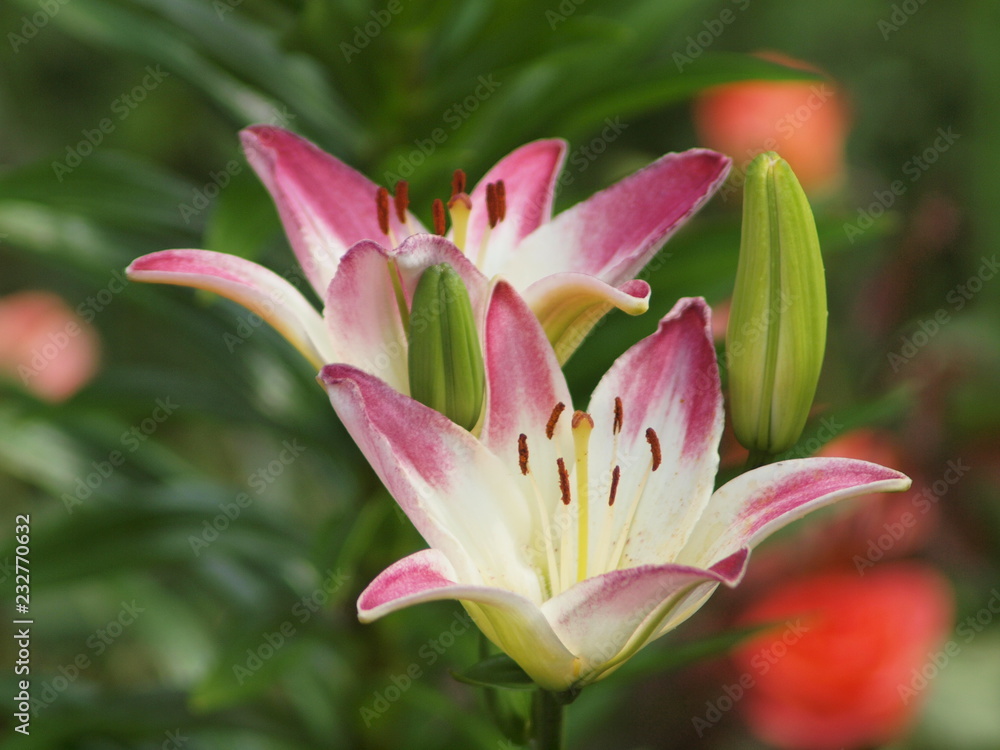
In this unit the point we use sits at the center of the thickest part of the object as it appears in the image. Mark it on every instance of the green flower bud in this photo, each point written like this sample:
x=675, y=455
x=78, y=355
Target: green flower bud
x=777, y=325
x=445, y=360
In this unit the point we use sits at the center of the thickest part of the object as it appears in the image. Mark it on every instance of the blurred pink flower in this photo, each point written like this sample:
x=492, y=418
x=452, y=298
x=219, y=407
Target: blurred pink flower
x=45, y=345
x=847, y=680
x=804, y=121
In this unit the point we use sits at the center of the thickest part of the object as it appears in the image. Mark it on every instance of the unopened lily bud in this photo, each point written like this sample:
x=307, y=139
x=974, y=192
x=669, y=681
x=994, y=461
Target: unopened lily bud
x=777, y=325
x=445, y=360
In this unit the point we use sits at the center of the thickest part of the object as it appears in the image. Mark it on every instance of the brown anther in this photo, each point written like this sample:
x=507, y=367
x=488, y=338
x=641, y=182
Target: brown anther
x=563, y=481
x=654, y=447
x=402, y=200
x=579, y=417
x=382, y=208
x=616, y=475
x=457, y=183
x=522, y=452
x=550, y=427
x=491, y=204
x=501, y=201
x=619, y=415
x=438, y=211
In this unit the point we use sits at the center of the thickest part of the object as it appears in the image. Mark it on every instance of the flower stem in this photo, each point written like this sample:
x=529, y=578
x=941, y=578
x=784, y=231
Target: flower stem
x=547, y=712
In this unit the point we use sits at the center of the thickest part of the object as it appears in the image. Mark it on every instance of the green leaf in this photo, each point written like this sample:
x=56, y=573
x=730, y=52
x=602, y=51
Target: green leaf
x=496, y=671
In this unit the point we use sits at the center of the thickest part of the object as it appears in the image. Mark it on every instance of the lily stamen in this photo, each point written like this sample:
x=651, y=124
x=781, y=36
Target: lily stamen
x=491, y=204
x=501, y=193
x=522, y=453
x=550, y=427
x=563, y=481
x=382, y=209
x=616, y=475
x=402, y=200
x=654, y=447
x=438, y=212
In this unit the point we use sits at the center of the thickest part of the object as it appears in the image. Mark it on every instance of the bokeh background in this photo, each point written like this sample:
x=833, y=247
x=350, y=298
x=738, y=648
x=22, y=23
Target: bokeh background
x=200, y=523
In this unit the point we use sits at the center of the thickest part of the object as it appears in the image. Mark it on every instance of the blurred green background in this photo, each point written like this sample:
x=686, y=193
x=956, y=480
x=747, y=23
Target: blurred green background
x=155, y=629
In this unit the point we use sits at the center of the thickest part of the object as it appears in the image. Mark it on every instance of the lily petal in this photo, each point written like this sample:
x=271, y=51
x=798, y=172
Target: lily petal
x=511, y=621
x=325, y=205
x=258, y=289
x=529, y=174
x=608, y=617
x=362, y=317
x=569, y=305
x=361, y=311
x=759, y=502
x=457, y=494
x=669, y=382
x=616, y=232
x=524, y=384
x=417, y=253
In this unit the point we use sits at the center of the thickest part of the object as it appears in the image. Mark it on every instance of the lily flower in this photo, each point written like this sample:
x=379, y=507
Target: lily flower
x=574, y=538
x=363, y=251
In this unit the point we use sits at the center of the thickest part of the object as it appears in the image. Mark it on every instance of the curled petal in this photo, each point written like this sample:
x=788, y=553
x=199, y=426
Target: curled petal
x=569, y=305
x=256, y=288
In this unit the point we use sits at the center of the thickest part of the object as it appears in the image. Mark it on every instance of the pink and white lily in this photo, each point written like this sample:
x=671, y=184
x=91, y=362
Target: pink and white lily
x=575, y=538
x=363, y=259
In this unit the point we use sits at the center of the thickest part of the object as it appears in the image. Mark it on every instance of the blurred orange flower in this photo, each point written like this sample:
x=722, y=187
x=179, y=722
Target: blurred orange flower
x=846, y=681
x=45, y=346
x=806, y=122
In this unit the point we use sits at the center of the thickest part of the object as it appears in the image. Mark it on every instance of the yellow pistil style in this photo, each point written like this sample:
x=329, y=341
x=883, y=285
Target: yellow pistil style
x=583, y=425
x=460, y=207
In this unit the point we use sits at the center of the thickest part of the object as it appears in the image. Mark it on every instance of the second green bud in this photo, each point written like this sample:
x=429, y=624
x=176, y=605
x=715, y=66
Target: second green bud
x=776, y=335
x=445, y=359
